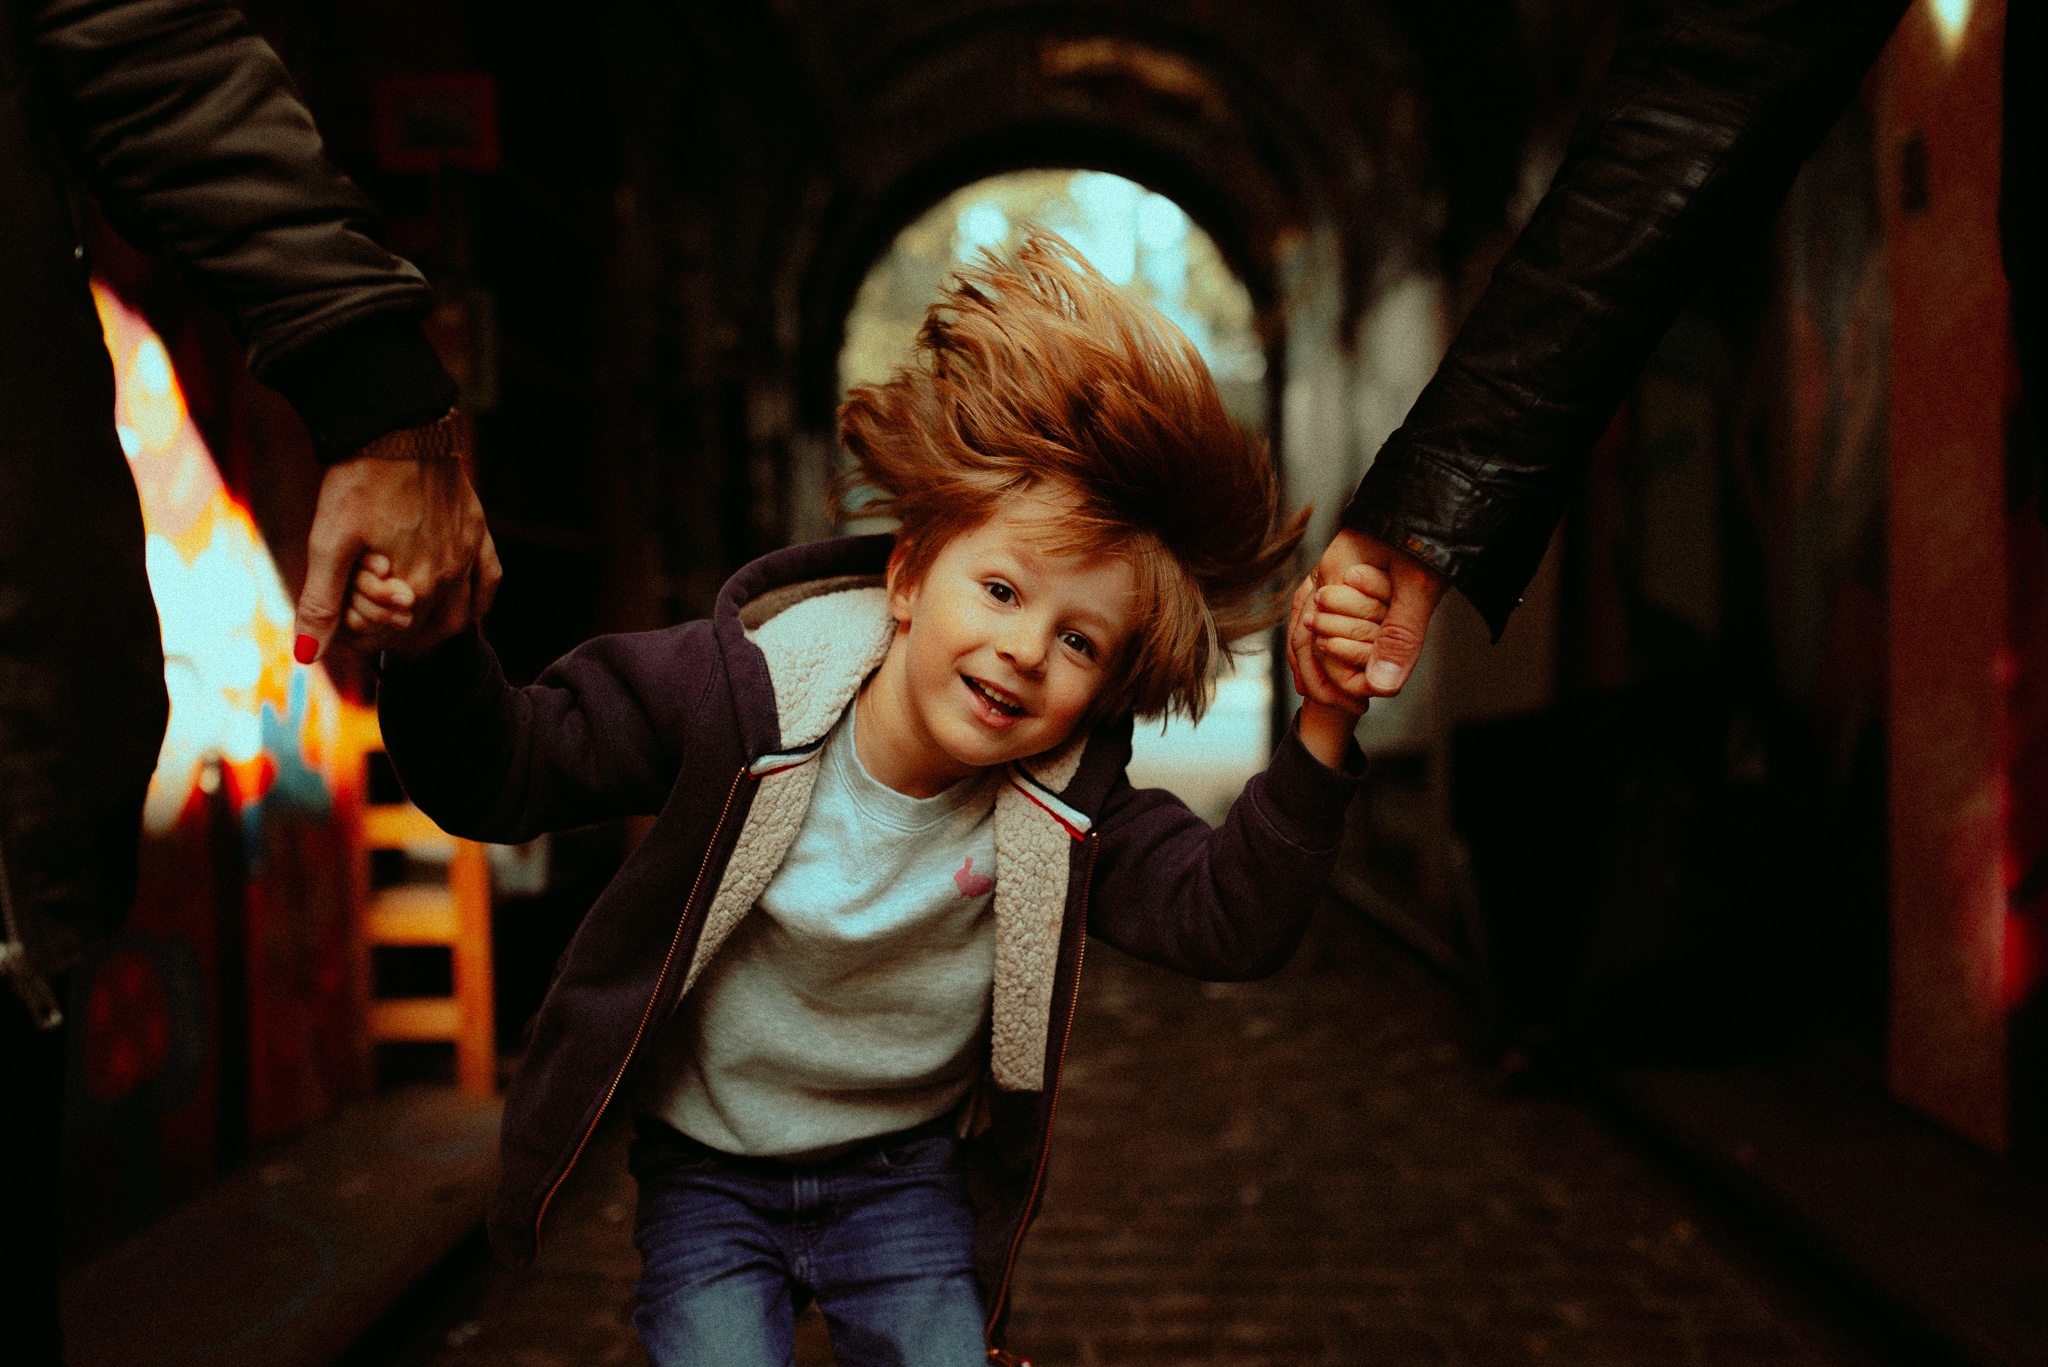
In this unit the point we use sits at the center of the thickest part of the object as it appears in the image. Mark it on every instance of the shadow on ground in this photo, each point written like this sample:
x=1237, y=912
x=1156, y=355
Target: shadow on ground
x=1291, y=1173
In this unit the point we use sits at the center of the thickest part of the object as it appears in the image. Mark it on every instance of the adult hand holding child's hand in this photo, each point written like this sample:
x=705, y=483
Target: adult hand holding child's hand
x=1348, y=614
x=402, y=511
x=1343, y=655
x=382, y=609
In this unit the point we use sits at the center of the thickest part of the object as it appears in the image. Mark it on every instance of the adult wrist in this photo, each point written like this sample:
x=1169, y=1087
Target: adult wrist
x=445, y=438
x=364, y=379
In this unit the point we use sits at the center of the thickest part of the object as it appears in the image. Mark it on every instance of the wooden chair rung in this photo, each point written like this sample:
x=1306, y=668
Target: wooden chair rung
x=416, y=914
x=416, y=1018
x=405, y=827
x=455, y=912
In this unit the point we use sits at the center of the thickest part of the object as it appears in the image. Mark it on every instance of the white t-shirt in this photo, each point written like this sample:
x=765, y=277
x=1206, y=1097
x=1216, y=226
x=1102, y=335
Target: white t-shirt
x=853, y=1000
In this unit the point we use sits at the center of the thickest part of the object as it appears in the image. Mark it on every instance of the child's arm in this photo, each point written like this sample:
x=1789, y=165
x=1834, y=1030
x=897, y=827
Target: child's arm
x=1233, y=902
x=1325, y=731
x=1226, y=903
x=599, y=735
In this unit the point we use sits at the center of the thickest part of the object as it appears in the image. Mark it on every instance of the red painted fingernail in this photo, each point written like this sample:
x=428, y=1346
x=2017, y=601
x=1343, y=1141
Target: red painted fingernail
x=304, y=649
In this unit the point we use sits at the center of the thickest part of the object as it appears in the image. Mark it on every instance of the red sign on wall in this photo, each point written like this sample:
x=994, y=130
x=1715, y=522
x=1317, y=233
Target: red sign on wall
x=425, y=123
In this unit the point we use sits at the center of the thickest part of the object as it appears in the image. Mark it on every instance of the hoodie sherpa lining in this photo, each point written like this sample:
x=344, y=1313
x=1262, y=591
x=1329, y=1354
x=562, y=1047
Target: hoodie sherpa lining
x=821, y=641
x=757, y=612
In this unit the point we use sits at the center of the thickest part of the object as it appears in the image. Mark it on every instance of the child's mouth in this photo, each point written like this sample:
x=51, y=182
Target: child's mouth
x=994, y=706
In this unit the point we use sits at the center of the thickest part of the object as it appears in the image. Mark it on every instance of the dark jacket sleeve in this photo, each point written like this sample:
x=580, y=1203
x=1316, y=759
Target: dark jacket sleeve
x=1686, y=149
x=1229, y=902
x=601, y=734
x=186, y=127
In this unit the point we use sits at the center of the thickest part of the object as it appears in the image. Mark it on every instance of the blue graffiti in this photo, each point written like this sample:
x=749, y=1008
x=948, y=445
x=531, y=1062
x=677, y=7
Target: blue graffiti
x=298, y=787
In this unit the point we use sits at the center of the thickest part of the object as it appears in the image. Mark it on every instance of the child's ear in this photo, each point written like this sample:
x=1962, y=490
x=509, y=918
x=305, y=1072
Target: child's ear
x=901, y=592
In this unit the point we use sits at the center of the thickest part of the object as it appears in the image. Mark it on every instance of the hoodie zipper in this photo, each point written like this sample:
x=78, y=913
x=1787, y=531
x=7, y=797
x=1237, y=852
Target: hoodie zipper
x=30, y=985
x=660, y=982
x=999, y=1356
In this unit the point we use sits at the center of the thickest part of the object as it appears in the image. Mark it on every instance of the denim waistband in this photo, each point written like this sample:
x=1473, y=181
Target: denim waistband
x=654, y=1131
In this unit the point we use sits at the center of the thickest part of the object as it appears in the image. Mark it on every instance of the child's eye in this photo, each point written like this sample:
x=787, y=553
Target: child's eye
x=1075, y=641
x=1000, y=591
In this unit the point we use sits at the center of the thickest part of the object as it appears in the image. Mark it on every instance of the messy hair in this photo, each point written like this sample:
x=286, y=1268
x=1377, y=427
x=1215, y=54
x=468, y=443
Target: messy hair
x=1035, y=373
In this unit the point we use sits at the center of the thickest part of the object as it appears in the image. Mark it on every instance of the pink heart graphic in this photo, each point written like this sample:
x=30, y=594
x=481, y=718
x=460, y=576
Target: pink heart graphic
x=970, y=883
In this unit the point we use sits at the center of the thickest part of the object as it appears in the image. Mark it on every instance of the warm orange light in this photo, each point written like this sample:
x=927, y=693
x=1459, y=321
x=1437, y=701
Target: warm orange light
x=237, y=697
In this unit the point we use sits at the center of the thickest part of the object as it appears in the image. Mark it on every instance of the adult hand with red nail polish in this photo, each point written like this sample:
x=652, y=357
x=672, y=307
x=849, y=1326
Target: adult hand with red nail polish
x=407, y=499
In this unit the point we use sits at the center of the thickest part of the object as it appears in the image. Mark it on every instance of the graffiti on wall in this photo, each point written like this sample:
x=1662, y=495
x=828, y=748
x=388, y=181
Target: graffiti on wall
x=221, y=1015
x=237, y=698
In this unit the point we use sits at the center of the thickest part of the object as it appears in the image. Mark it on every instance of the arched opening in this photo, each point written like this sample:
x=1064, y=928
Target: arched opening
x=1146, y=243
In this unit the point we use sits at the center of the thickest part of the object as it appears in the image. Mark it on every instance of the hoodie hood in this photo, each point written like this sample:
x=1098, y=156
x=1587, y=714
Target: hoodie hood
x=801, y=631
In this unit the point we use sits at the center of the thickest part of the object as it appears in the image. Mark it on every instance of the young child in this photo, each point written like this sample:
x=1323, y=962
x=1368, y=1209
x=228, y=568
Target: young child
x=834, y=983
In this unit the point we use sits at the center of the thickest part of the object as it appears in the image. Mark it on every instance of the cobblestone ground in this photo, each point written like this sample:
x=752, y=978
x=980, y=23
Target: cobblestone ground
x=1302, y=1171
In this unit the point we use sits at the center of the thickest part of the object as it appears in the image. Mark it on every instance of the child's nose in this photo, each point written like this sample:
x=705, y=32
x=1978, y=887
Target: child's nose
x=1024, y=647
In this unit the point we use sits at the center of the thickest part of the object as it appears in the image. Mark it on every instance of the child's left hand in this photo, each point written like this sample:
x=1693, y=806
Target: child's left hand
x=1339, y=623
x=1342, y=620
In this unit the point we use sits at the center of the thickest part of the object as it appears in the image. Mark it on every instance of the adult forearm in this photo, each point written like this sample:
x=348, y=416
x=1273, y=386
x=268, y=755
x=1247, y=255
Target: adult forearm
x=1684, y=152
x=363, y=380
x=186, y=126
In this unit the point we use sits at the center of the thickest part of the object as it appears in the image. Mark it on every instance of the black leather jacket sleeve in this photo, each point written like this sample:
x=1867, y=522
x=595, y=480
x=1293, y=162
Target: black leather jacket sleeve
x=187, y=128
x=1686, y=147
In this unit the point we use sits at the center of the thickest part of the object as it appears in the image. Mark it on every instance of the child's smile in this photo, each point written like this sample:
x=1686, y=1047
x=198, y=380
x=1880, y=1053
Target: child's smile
x=999, y=652
x=998, y=707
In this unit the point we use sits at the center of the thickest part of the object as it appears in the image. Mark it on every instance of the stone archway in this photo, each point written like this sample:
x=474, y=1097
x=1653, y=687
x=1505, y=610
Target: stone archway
x=788, y=146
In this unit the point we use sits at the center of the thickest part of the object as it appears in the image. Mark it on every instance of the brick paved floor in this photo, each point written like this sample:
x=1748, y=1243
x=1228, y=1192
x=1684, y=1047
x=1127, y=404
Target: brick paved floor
x=1302, y=1171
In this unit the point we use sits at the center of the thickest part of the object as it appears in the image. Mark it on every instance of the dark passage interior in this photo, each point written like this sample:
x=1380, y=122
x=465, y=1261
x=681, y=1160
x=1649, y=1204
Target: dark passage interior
x=1679, y=996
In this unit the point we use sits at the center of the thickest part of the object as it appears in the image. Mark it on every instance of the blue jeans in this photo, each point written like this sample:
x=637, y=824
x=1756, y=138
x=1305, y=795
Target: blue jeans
x=731, y=1248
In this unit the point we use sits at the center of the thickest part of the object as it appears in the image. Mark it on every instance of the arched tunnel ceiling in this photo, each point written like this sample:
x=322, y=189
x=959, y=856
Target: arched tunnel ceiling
x=811, y=131
x=1219, y=113
x=772, y=149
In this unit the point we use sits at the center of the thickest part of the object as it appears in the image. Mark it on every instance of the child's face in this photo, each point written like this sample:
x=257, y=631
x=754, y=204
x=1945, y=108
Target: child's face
x=1006, y=646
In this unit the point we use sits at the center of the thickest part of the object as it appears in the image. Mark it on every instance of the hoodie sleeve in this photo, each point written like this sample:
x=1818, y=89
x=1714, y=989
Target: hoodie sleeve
x=184, y=124
x=601, y=734
x=1229, y=902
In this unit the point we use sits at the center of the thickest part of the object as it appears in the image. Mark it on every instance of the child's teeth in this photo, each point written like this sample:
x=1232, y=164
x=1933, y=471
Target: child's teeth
x=1000, y=703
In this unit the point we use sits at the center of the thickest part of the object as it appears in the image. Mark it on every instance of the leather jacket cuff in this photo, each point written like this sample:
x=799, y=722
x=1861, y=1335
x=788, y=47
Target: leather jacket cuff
x=364, y=380
x=1375, y=510
x=1486, y=547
